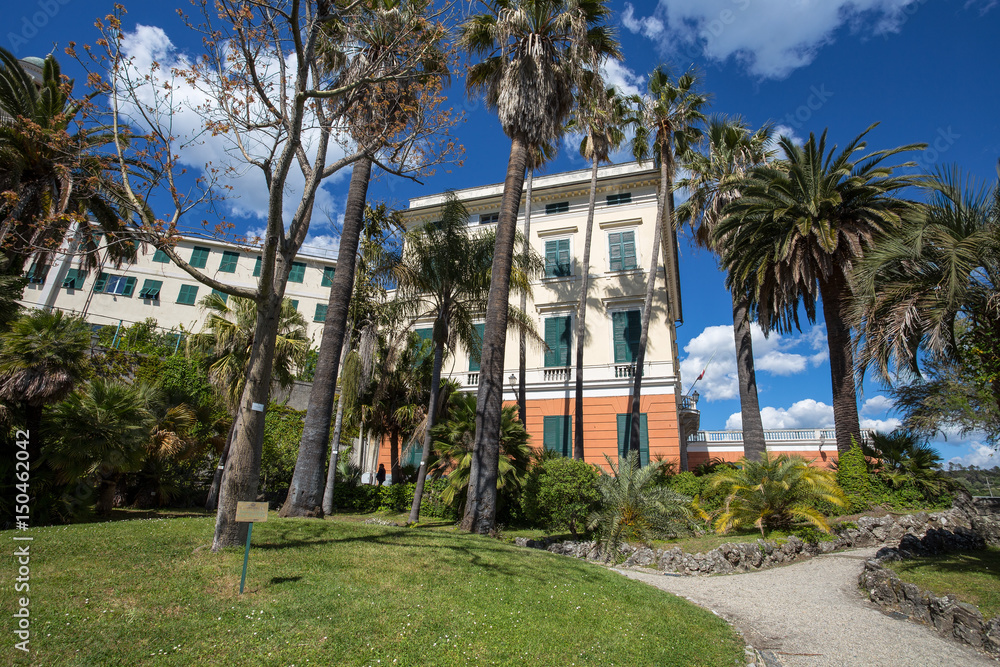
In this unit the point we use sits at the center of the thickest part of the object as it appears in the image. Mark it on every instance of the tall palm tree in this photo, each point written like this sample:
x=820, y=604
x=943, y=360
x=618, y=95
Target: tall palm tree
x=673, y=112
x=533, y=54
x=925, y=282
x=375, y=113
x=56, y=176
x=227, y=339
x=42, y=358
x=713, y=183
x=796, y=234
x=445, y=274
x=602, y=115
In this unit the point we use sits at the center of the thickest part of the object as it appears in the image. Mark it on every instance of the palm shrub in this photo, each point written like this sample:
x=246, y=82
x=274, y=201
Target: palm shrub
x=775, y=492
x=902, y=459
x=561, y=493
x=634, y=506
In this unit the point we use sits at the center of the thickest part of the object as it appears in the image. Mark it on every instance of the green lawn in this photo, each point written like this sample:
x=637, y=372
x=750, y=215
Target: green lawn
x=971, y=576
x=340, y=593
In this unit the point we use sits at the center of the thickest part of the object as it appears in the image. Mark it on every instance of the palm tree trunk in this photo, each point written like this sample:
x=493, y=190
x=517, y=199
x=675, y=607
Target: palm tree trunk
x=418, y=492
x=394, y=468
x=305, y=494
x=522, y=383
x=106, y=495
x=338, y=423
x=241, y=477
x=838, y=334
x=481, y=504
x=753, y=429
x=211, y=503
x=581, y=318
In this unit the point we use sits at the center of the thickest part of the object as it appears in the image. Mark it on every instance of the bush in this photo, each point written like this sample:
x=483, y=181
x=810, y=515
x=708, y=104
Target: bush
x=854, y=478
x=561, y=493
x=282, y=433
x=394, y=498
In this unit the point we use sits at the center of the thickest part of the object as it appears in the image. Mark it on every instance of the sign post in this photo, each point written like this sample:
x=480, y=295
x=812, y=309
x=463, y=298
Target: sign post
x=249, y=512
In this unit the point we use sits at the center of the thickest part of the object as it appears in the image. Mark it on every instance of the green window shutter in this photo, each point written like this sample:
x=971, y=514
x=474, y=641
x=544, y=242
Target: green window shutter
x=74, y=279
x=129, y=286
x=558, y=207
x=221, y=295
x=320, y=315
x=101, y=282
x=328, y=273
x=621, y=250
x=558, y=336
x=298, y=272
x=628, y=250
x=557, y=259
x=623, y=198
x=557, y=434
x=295, y=303
x=188, y=295
x=615, y=250
x=624, y=428
x=150, y=289
x=627, y=327
x=160, y=257
x=475, y=354
x=256, y=268
x=229, y=261
x=425, y=334
x=37, y=273
x=199, y=257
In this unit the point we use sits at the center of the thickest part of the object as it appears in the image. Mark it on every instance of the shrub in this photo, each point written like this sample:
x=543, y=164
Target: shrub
x=855, y=480
x=561, y=493
x=282, y=433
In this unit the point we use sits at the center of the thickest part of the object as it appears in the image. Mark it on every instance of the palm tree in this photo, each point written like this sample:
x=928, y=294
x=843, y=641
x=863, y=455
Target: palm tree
x=602, y=115
x=227, y=338
x=445, y=275
x=55, y=177
x=933, y=281
x=796, y=234
x=42, y=358
x=903, y=457
x=673, y=113
x=533, y=53
x=774, y=492
x=713, y=183
x=375, y=113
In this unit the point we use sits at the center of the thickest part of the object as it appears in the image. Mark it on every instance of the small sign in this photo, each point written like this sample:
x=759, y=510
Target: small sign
x=257, y=407
x=251, y=511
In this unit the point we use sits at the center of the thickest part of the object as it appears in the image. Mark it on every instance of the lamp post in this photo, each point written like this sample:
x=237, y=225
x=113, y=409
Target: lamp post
x=513, y=386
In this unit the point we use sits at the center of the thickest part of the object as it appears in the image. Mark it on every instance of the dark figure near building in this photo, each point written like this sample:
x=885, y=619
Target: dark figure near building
x=380, y=475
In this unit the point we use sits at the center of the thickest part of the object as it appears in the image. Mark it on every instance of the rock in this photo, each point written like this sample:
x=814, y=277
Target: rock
x=968, y=624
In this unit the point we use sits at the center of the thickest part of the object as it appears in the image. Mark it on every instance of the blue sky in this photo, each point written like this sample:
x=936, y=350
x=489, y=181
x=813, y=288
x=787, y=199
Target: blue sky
x=926, y=69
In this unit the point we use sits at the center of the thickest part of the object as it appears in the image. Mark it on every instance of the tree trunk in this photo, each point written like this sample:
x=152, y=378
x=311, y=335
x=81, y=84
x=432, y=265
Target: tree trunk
x=647, y=310
x=581, y=318
x=338, y=424
x=241, y=477
x=439, y=337
x=522, y=368
x=481, y=503
x=106, y=495
x=838, y=335
x=305, y=494
x=212, y=502
x=394, y=468
x=33, y=427
x=753, y=429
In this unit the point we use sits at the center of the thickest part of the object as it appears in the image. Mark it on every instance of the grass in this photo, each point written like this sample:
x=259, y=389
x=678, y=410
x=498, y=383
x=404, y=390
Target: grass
x=344, y=593
x=971, y=576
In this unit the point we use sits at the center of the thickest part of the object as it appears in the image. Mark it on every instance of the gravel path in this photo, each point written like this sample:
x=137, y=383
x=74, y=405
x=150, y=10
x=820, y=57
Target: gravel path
x=811, y=614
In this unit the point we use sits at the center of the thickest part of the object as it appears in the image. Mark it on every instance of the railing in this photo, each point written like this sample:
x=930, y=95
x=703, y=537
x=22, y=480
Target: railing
x=772, y=435
x=472, y=379
x=557, y=374
x=625, y=371
x=688, y=403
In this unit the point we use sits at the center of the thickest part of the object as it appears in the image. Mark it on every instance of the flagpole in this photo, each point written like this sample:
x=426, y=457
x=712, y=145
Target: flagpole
x=691, y=388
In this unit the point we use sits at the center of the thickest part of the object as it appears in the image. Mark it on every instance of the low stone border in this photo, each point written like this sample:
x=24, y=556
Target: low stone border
x=947, y=615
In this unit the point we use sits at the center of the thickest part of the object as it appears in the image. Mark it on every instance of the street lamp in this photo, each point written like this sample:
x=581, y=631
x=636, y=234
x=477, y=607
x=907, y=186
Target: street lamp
x=513, y=386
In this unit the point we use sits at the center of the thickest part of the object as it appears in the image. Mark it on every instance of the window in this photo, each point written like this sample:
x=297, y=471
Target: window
x=160, y=257
x=557, y=435
x=624, y=428
x=626, y=326
x=320, y=315
x=229, y=261
x=488, y=218
x=295, y=303
x=557, y=260
x=425, y=334
x=199, y=257
x=426, y=337
x=558, y=336
x=328, y=273
x=622, y=250
x=151, y=289
x=117, y=285
x=256, y=268
x=188, y=295
x=298, y=272
x=221, y=295
x=622, y=198
x=74, y=279
x=558, y=207
x=37, y=273
x=475, y=354
x=414, y=454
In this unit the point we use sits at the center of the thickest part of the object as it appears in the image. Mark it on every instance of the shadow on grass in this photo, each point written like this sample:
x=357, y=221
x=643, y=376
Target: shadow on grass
x=985, y=561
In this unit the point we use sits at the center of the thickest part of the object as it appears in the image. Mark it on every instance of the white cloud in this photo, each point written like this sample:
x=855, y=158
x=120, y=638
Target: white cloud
x=244, y=187
x=806, y=413
x=626, y=81
x=775, y=354
x=978, y=455
x=877, y=405
x=784, y=131
x=770, y=37
x=883, y=425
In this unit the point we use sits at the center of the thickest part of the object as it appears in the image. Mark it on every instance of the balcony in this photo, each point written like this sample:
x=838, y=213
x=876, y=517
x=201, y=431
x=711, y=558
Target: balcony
x=557, y=374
